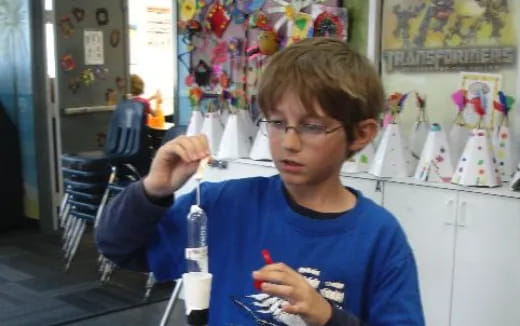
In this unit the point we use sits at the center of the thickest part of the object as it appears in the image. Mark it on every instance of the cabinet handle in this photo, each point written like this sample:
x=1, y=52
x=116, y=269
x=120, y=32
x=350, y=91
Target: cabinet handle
x=379, y=186
x=449, y=219
x=462, y=219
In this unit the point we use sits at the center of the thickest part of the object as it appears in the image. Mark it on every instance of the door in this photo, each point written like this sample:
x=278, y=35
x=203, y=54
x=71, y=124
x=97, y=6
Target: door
x=486, y=286
x=427, y=215
x=92, y=65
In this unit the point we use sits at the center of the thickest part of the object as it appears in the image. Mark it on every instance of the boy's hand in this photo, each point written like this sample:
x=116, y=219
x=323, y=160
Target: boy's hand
x=174, y=163
x=282, y=281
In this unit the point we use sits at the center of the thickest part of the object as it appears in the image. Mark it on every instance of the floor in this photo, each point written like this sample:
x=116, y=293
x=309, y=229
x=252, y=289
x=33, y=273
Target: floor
x=35, y=289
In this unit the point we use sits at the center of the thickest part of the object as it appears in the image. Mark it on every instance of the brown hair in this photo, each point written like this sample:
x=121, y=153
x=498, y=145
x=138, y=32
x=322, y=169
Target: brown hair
x=328, y=72
x=136, y=85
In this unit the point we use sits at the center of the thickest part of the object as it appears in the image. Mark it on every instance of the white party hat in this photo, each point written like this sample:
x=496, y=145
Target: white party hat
x=458, y=137
x=477, y=165
x=212, y=128
x=435, y=164
x=235, y=142
x=195, y=125
x=418, y=135
x=504, y=153
x=390, y=159
x=515, y=182
x=419, y=132
x=361, y=161
x=260, y=149
x=249, y=126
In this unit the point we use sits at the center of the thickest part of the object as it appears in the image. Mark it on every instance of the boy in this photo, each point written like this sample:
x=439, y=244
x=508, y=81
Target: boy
x=340, y=259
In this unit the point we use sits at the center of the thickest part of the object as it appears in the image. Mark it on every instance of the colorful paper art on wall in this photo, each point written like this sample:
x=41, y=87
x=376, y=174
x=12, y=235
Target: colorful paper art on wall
x=330, y=21
x=102, y=17
x=79, y=14
x=218, y=18
x=67, y=62
x=66, y=27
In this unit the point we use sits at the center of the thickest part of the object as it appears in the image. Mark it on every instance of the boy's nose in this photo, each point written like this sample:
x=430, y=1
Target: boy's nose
x=291, y=140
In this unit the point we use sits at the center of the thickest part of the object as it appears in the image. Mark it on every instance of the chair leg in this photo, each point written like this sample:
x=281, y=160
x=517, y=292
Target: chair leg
x=63, y=205
x=150, y=282
x=71, y=232
x=171, y=302
x=76, y=243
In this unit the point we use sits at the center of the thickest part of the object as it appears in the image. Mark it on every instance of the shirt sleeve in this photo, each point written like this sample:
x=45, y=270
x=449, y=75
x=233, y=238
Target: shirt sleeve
x=126, y=225
x=396, y=299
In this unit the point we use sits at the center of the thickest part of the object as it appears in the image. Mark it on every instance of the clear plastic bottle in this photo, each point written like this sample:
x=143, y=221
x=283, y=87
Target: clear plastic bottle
x=197, y=246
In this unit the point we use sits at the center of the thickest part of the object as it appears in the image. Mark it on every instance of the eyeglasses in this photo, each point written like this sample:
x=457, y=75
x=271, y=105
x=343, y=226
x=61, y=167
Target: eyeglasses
x=306, y=131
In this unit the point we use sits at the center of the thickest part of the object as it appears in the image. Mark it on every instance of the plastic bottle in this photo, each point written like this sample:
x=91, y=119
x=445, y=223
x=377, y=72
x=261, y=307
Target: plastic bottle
x=197, y=246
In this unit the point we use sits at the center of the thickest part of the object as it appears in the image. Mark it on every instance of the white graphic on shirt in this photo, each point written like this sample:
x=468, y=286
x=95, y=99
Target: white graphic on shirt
x=267, y=310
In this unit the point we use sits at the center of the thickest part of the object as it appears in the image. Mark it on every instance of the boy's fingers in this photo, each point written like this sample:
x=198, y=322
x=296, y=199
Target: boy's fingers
x=283, y=291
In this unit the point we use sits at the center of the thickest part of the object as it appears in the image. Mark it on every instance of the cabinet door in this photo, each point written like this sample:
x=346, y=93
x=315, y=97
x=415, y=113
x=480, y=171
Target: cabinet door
x=486, y=287
x=427, y=215
x=370, y=188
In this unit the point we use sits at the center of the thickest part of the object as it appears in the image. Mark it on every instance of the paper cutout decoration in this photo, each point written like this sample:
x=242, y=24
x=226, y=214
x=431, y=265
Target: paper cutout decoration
x=74, y=84
x=436, y=164
x=218, y=18
x=259, y=20
x=289, y=9
x=120, y=84
x=67, y=62
x=390, y=159
x=235, y=142
x=196, y=122
x=301, y=28
x=79, y=14
x=260, y=150
x=502, y=146
x=361, y=161
x=213, y=128
x=87, y=77
x=250, y=6
x=268, y=44
x=115, y=37
x=330, y=21
x=188, y=9
x=476, y=166
x=100, y=72
x=66, y=27
x=419, y=132
x=102, y=17
x=515, y=183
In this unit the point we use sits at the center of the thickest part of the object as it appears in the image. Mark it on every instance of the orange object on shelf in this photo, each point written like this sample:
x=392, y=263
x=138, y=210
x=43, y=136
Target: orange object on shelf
x=158, y=120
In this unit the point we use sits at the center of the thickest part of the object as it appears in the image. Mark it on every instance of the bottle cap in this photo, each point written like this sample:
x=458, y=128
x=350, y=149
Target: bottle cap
x=195, y=209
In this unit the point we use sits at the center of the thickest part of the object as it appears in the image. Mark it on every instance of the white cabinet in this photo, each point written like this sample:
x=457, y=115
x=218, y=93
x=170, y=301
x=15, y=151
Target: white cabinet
x=486, y=285
x=369, y=188
x=427, y=216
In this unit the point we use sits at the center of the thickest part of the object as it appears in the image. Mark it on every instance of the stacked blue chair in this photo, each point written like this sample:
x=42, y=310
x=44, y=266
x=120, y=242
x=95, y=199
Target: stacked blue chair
x=86, y=175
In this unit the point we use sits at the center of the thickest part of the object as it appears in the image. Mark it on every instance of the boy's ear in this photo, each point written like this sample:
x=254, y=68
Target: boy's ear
x=365, y=131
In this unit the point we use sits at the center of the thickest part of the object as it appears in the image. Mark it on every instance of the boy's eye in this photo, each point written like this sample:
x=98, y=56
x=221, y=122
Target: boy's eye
x=312, y=128
x=277, y=123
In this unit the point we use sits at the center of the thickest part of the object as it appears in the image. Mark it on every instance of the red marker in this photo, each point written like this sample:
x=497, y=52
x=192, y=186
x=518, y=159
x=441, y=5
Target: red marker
x=268, y=260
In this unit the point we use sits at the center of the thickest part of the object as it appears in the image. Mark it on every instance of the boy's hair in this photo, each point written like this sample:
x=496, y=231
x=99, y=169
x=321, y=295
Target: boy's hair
x=326, y=71
x=136, y=85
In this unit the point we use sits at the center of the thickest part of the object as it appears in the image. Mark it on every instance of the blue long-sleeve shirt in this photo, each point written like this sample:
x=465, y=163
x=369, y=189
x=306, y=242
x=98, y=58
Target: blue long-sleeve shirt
x=360, y=260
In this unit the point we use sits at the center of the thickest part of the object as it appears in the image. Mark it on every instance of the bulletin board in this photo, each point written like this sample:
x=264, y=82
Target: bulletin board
x=227, y=43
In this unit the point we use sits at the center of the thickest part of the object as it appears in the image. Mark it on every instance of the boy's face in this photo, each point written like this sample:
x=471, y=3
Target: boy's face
x=303, y=157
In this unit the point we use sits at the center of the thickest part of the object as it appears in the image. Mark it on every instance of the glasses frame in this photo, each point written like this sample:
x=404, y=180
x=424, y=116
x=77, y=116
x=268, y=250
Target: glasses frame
x=296, y=129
